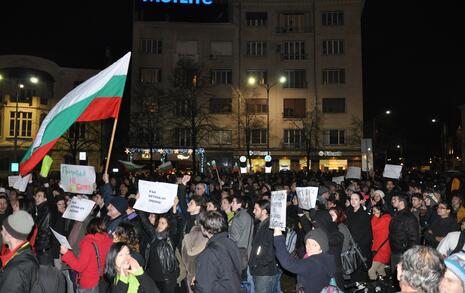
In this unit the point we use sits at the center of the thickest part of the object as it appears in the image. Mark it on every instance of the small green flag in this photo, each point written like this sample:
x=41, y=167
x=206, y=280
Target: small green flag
x=46, y=164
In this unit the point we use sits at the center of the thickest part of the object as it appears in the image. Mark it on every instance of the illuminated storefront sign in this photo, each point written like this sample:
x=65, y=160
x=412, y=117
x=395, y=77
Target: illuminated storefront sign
x=188, y=2
x=333, y=164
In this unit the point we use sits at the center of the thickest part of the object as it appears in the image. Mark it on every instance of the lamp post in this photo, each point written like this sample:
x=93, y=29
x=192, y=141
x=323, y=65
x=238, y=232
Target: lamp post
x=373, y=136
x=252, y=81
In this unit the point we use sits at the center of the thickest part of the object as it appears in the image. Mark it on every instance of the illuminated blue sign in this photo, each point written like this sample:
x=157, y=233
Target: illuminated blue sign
x=191, y=2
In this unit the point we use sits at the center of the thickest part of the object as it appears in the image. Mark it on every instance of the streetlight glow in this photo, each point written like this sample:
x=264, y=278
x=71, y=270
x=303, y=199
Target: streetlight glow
x=34, y=79
x=398, y=146
x=21, y=86
x=252, y=80
x=388, y=112
x=433, y=120
x=282, y=79
x=1, y=77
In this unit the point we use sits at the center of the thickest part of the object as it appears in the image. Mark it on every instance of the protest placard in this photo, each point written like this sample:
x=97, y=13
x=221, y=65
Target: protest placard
x=77, y=179
x=392, y=171
x=338, y=180
x=46, y=164
x=61, y=239
x=156, y=197
x=307, y=197
x=22, y=182
x=278, y=209
x=354, y=173
x=12, y=180
x=78, y=209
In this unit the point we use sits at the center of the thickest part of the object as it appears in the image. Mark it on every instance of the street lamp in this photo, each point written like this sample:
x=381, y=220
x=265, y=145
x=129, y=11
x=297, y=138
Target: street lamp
x=373, y=136
x=253, y=81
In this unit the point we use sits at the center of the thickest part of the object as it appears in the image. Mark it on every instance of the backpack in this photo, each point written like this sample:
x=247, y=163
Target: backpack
x=49, y=279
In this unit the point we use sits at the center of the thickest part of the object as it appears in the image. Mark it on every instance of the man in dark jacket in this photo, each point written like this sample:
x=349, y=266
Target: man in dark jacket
x=262, y=262
x=43, y=219
x=218, y=266
x=20, y=266
x=315, y=271
x=403, y=229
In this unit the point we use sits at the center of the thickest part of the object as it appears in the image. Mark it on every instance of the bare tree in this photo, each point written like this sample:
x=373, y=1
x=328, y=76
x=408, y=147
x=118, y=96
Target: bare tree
x=355, y=131
x=79, y=137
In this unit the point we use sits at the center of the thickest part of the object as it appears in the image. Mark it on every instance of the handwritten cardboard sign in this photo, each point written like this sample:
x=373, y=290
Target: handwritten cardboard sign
x=392, y=171
x=78, y=209
x=156, y=197
x=61, y=239
x=278, y=209
x=77, y=179
x=307, y=197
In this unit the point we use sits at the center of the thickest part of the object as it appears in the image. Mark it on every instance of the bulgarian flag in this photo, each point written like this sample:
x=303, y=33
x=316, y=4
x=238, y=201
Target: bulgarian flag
x=95, y=99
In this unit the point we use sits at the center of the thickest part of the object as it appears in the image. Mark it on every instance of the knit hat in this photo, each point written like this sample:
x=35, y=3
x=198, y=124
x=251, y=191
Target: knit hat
x=19, y=224
x=456, y=263
x=120, y=203
x=319, y=235
x=322, y=189
x=380, y=192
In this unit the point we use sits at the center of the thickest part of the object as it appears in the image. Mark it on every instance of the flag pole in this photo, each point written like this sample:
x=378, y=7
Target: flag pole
x=110, y=147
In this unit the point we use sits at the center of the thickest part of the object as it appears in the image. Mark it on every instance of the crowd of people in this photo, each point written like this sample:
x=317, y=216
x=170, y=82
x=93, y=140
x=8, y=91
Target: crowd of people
x=216, y=237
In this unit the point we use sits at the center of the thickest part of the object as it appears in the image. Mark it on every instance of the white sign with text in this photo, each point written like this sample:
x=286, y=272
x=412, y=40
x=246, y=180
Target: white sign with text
x=156, y=197
x=338, y=180
x=392, y=171
x=78, y=209
x=77, y=179
x=307, y=197
x=354, y=173
x=61, y=239
x=278, y=209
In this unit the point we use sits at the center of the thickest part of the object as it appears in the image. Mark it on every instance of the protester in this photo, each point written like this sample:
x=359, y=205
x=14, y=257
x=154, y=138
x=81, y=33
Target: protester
x=19, y=266
x=126, y=233
x=457, y=206
x=218, y=266
x=441, y=226
x=124, y=274
x=420, y=270
x=42, y=217
x=454, y=277
x=381, y=249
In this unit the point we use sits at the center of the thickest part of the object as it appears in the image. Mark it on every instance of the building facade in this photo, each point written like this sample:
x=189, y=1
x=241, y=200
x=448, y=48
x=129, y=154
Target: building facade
x=278, y=77
x=29, y=88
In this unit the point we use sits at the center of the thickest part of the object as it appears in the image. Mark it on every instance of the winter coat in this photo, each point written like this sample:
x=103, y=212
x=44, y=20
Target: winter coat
x=42, y=219
x=241, y=230
x=359, y=224
x=403, y=231
x=380, y=227
x=86, y=262
x=345, y=231
x=313, y=273
x=219, y=266
x=262, y=260
x=20, y=271
x=146, y=284
x=192, y=245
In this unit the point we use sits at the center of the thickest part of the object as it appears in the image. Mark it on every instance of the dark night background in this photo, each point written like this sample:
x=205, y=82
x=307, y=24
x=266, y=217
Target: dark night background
x=413, y=56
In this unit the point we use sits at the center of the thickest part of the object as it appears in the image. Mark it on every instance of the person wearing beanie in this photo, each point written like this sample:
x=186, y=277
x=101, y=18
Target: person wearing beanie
x=19, y=265
x=316, y=269
x=454, y=278
x=117, y=207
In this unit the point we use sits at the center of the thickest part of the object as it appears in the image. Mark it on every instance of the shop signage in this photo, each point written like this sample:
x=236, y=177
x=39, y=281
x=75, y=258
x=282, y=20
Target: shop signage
x=329, y=154
x=188, y=2
x=258, y=153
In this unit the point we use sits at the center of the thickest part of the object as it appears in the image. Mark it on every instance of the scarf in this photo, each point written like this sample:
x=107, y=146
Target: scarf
x=131, y=280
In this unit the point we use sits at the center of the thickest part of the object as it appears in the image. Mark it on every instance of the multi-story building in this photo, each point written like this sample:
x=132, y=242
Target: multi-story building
x=305, y=60
x=29, y=88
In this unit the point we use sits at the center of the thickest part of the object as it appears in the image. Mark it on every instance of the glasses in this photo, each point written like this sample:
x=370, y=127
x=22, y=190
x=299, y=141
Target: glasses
x=442, y=208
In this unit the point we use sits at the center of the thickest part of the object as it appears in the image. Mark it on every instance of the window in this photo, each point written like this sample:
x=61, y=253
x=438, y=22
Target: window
x=294, y=108
x=221, y=48
x=257, y=106
x=295, y=78
x=293, y=137
x=219, y=106
x=25, y=95
x=293, y=23
x=221, y=136
x=77, y=130
x=221, y=76
x=43, y=100
x=182, y=137
x=260, y=75
x=334, y=137
x=182, y=108
x=294, y=50
x=333, y=47
x=187, y=50
x=150, y=75
x=334, y=76
x=150, y=46
x=256, y=18
x=257, y=136
x=256, y=48
x=334, y=105
x=24, y=128
x=329, y=18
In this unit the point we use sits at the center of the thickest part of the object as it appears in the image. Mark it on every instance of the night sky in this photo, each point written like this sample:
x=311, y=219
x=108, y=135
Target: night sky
x=413, y=56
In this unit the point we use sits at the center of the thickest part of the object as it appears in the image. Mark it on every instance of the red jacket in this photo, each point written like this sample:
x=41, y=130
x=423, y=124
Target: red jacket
x=86, y=263
x=380, y=228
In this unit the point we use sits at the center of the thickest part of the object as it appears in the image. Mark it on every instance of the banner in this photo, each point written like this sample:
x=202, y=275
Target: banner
x=392, y=171
x=77, y=179
x=61, y=239
x=307, y=197
x=78, y=209
x=156, y=197
x=354, y=173
x=46, y=164
x=278, y=209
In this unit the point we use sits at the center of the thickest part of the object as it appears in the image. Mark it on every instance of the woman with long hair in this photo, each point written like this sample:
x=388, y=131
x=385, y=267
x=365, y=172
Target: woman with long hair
x=124, y=273
x=93, y=247
x=126, y=233
x=380, y=248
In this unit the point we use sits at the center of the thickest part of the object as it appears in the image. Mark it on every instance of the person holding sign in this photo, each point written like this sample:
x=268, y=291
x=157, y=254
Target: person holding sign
x=93, y=248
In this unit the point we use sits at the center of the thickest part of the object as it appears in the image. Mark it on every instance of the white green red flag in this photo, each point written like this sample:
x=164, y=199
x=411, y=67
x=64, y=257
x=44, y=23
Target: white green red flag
x=95, y=99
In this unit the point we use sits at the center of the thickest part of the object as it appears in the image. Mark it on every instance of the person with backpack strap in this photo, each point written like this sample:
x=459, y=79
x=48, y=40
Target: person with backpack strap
x=87, y=262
